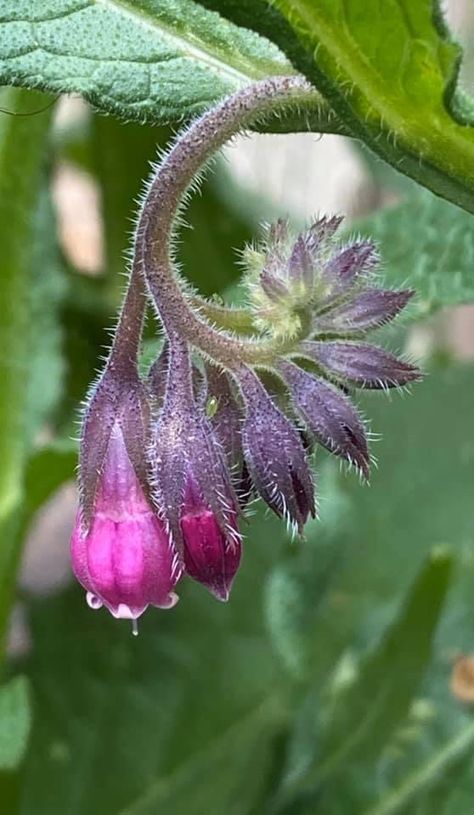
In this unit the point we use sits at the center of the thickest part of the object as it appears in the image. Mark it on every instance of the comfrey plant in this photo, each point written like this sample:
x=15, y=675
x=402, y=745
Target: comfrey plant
x=163, y=478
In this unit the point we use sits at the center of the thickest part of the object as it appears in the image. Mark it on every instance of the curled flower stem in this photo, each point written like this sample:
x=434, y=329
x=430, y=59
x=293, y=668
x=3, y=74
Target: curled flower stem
x=174, y=176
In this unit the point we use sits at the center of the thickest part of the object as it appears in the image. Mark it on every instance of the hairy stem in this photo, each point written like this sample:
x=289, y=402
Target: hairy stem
x=188, y=156
x=128, y=333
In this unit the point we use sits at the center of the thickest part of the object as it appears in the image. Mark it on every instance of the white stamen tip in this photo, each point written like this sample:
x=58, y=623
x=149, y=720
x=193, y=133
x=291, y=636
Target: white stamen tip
x=135, y=628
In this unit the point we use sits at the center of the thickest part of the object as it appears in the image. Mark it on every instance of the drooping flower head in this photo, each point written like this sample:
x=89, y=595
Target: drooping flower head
x=121, y=553
x=160, y=501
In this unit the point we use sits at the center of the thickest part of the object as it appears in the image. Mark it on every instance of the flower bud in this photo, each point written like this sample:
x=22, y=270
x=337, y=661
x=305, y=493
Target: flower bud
x=328, y=415
x=361, y=364
x=192, y=483
x=211, y=556
x=123, y=557
x=275, y=455
x=369, y=309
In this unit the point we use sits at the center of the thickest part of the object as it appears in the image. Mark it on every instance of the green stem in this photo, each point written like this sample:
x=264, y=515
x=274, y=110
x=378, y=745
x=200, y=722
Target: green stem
x=22, y=144
x=231, y=319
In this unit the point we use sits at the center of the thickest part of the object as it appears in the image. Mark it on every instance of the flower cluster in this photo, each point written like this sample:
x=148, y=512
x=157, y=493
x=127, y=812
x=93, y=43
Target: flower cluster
x=168, y=462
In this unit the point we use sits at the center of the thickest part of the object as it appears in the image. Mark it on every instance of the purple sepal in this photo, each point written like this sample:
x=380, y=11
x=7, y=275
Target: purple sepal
x=324, y=229
x=210, y=556
x=361, y=364
x=275, y=455
x=329, y=416
x=343, y=268
x=367, y=310
x=301, y=262
x=227, y=419
x=121, y=399
x=123, y=558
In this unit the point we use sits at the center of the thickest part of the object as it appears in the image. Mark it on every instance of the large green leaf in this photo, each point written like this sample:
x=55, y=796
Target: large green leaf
x=389, y=71
x=145, y=59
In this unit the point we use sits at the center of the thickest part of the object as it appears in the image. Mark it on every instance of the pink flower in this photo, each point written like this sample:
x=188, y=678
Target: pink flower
x=210, y=556
x=124, y=559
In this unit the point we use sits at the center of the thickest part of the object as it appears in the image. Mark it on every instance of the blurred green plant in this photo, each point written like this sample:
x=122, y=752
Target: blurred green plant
x=323, y=687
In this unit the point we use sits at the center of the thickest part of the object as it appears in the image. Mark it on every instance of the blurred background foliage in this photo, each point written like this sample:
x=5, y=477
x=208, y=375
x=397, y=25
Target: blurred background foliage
x=338, y=678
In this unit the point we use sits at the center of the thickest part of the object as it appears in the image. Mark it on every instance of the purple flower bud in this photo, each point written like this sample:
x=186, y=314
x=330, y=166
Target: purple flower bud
x=324, y=229
x=301, y=262
x=210, y=556
x=361, y=364
x=123, y=557
x=329, y=416
x=275, y=455
x=192, y=483
x=367, y=310
x=343, y=268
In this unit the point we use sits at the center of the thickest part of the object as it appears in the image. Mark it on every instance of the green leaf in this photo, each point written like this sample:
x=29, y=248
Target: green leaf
x=15, y=722
x=366, y=711
x=428, y=244
x=22, y=142
x=425, y=775
x=389, y=71
x=141, y=60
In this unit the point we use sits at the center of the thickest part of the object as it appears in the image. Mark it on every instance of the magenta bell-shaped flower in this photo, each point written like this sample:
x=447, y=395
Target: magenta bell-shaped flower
x=124, y=558
x=210, y=556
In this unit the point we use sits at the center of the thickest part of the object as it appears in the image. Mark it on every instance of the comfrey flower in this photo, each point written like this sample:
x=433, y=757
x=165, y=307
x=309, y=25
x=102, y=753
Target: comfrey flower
x=192, y=483
x=121, y=552
x=238, y=398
